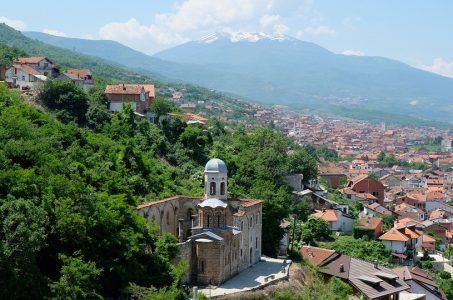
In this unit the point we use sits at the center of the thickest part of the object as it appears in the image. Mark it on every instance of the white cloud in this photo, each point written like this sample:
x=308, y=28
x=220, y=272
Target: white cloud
x=16, y=24
x=440, y=66
x=413, y=102
x=54, y=32
x=193, y=18
x=353, y=52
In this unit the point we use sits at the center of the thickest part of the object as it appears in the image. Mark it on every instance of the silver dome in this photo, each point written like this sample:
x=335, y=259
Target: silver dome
x=216, y=165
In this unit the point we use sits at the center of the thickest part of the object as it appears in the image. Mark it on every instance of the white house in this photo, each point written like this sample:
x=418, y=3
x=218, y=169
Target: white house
x=41, y=64
x=402, y=240
x=23, y=76
x=337, y=219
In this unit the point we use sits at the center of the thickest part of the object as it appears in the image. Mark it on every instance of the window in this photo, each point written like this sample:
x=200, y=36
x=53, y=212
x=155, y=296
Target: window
x=168, y=218
x=222, y=188
x=241, y=252
x=212, y=188
x=202, y=266
x=256, y=243
x=46, y=65
x=23, y=78
x=208, y=219
x=218, y=220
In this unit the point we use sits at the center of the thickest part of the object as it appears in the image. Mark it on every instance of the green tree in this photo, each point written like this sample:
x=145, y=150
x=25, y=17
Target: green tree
x=315, y=229
x=68, y=100
x=368, y=250
x=302, y=162
x=167, y=246
x=78, y=280
x=160, y=107
x=22, y=237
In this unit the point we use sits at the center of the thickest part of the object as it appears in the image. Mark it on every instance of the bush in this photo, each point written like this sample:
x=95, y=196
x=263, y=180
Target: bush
x=444, y=275
x=67, y=99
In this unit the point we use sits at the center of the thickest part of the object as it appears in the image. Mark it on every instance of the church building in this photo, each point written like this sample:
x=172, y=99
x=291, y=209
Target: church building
x=219, y=236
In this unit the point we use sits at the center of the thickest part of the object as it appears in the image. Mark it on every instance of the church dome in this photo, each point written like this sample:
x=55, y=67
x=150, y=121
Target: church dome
x=216, y=165
x=213, y=203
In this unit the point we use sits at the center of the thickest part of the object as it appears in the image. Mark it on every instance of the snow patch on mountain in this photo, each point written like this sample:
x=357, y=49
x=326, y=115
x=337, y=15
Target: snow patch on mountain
x=238, y=36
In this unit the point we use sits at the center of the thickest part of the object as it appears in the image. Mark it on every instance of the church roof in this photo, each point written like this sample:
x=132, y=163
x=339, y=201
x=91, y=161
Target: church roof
x=212, y=202
x=216, y=165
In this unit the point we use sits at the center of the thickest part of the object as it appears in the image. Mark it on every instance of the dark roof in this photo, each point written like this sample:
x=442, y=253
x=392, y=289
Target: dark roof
x=314, y=255
x=374, y=282
x=418, y=275
x=385, y=287
x=333, y=267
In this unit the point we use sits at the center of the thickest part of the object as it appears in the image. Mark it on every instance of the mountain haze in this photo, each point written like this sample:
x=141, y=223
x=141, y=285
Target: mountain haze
x=284, y=70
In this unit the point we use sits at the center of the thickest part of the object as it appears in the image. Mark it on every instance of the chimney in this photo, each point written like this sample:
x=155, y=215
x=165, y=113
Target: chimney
x=341, y=268
x=124, y=87
x=376, y=264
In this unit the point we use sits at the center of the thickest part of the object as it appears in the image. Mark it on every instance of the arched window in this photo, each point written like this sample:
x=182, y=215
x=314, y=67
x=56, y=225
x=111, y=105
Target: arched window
x=218, y=220
x=168, y=218
x=256, y=243
x=212, y=188
x=202, y=266
x=208, y=220
x=222, y=188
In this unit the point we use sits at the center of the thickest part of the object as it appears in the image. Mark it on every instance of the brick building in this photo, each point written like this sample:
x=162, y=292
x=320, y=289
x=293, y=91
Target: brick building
x=139, y=95
x=219, y=236
x=365, y=184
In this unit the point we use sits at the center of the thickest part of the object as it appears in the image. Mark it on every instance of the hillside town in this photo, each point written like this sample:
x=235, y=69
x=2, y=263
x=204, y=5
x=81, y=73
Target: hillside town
x=385, y=184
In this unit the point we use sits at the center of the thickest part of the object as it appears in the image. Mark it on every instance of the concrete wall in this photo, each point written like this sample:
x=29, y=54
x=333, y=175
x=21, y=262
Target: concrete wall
x=395, y=246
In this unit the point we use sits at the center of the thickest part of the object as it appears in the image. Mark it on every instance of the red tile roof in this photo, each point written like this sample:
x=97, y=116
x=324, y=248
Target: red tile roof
x=370, y=222
x=250, y=202
x=314, y=256
x=328, y=215
x=129, y=89
x=26, y=68
x=179, y=197
x=79, y=73
x=29, y=60
x=394, y=235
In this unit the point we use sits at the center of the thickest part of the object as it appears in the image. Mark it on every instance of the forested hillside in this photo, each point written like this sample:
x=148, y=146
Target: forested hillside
x=69, y=183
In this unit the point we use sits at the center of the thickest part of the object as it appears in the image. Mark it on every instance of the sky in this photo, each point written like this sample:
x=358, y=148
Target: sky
x=417, y=32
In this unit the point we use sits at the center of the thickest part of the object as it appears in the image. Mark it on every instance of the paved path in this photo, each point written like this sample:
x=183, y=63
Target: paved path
x=251, y=277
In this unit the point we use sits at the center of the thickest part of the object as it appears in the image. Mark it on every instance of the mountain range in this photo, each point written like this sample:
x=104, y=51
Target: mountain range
x=278, y=69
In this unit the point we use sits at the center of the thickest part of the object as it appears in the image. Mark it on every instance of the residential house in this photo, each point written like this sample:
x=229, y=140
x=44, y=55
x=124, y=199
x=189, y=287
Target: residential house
x=402, y=241
x=23, y=76
x=391, y=180
x=428, y=243
x=375, y=209
x=80, y=77
x=439, y=214
x=408, y=211
x=420, y=283
x=370, y=280
x=374, y=224
x=337, y=219
x=417, y=200
x=315, y=256
x=139, y=95
x=367, y=184
x=40, y=63
x=332, y=174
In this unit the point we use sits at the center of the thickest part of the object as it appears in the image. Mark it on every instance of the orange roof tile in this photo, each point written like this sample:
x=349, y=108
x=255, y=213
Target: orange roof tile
x=328, y=215
x=129, y=89
x=29, y=60
x=314, y=255
x=394, y=235
x=370, y=222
